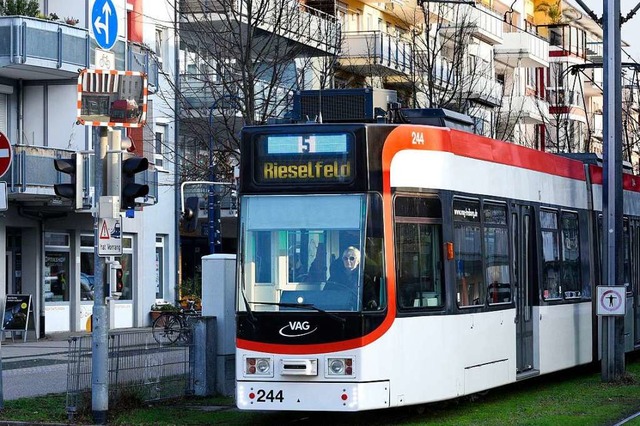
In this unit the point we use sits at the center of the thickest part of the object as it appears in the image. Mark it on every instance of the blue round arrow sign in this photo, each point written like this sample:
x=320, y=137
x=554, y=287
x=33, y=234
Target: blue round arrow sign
x=104, y=23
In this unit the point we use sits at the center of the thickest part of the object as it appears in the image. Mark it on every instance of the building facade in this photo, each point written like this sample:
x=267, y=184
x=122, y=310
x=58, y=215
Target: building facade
x=48, y=248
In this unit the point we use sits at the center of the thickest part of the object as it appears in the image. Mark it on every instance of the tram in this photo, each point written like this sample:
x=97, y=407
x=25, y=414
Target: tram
x=475, y=265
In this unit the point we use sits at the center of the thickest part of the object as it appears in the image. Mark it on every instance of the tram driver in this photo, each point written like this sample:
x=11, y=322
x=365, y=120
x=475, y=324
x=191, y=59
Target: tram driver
x=345, y=273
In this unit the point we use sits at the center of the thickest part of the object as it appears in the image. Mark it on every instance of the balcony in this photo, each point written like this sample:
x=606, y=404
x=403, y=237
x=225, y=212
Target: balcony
x=483, y=90
x=630, y=97
x=367, y=52
x=521, y=49
x=566, y=102
x=481, y=22
x=596, y=126
x=36, y=49
x=31, y=177
x=595, y=51
x=444, y=74
x=593, y=82
x=33, y=49
x=199, y=90
x=525, y=109
x=308, y=27
x=565, y=41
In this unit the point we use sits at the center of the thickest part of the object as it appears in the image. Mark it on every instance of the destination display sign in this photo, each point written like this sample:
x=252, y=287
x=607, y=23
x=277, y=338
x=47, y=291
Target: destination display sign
x=299, y=158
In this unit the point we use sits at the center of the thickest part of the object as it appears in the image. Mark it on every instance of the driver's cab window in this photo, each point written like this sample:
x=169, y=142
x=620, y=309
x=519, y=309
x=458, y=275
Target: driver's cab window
x=318, y=255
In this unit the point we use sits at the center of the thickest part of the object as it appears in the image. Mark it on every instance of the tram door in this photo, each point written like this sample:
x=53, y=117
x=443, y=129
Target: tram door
x=523, y=257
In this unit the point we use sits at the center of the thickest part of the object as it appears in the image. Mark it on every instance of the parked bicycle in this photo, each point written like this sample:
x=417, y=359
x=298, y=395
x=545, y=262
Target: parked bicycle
x=172, y=327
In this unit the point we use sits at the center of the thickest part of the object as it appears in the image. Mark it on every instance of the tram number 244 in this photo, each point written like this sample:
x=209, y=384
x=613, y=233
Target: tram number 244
x=270, y=396
x=417, y=138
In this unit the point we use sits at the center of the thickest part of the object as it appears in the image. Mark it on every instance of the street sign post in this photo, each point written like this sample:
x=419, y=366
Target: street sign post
x=104, y=23
x=6, y=154
x=611, y=300
x=109, y=237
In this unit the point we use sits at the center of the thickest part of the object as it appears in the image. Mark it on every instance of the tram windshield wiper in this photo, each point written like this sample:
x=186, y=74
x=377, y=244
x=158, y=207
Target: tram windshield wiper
x=307, y=306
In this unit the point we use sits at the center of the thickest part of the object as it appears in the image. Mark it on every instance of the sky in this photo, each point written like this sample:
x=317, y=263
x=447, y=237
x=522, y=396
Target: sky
x=630, y=29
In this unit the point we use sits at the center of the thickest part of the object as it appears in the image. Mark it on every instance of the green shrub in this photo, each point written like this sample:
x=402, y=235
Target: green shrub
x=20, y=8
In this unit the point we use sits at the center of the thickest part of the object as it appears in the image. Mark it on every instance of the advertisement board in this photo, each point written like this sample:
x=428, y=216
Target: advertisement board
x=16, y=311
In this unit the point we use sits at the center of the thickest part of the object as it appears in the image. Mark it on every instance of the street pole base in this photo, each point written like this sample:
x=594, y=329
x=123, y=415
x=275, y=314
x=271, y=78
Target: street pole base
x=100, y=417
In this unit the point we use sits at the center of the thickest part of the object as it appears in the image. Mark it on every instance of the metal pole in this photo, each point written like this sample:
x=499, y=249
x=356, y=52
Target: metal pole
x=1, y=384
x=612, y=327
x=100, y=325
x=212, y=188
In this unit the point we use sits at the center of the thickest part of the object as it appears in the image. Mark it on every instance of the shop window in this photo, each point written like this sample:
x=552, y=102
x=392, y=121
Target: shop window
x=160, y=239
x=87, y=266
x=124, y=276
x=56, y=267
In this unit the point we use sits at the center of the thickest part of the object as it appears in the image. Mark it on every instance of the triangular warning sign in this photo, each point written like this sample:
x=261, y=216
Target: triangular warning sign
x=104, y=231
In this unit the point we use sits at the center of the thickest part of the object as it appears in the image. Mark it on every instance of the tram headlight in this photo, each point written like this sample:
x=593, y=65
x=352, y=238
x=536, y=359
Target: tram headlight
x=340, y=366
x=258, y=367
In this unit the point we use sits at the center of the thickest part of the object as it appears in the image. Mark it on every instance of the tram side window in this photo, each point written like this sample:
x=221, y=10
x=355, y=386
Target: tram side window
x=496, y=255
x=626, y=256
x=550, y=255
x=468, y=253
x=419, y=252
x=571, y=276
x=561, y=256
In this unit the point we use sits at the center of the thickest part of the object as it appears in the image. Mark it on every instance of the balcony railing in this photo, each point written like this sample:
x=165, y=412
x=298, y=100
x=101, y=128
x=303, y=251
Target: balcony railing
x=630, y=96
x=44, y=44
x=596, y=125
x=444, y=74
x=482, y=22
x=523, y=49
x=564, y=97
x=484, y=89
x=198, y=90
x=367, y=48
x=289, y=19
x=595, y=50
x=36, y=49
x=528, y=109
x=32, y=175
x=566, y=40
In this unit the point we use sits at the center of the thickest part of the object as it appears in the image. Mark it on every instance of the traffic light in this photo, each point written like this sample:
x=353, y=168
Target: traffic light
x=75, y=169
x=129, y=189
x=119, y=282
x=191, y=214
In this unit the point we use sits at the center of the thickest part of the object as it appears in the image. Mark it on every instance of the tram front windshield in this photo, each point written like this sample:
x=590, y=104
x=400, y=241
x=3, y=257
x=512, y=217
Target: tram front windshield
x=309, y=253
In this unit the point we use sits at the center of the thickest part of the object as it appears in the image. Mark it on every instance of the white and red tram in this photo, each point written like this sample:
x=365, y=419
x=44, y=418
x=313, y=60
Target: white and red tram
x=478, y=265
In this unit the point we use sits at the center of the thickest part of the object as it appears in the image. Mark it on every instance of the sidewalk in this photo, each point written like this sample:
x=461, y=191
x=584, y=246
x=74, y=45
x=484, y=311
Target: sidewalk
x=51, y=349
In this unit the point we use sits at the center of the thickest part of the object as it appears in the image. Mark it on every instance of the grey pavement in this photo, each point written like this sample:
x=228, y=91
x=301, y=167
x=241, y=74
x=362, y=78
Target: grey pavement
x=34, y=368
x=54, y=346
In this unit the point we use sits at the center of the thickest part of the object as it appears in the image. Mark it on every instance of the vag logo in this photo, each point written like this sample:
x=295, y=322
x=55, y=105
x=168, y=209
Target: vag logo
x=297, y=329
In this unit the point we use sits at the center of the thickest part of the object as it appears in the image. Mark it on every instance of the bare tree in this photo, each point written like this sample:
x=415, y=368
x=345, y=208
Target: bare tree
x=241, y=61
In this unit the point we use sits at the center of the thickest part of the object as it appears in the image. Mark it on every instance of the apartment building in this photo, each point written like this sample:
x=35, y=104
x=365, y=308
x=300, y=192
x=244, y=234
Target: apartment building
x=526, y=71
x=47, y=245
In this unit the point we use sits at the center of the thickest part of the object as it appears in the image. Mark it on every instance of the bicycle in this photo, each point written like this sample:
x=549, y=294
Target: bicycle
x=172, y=327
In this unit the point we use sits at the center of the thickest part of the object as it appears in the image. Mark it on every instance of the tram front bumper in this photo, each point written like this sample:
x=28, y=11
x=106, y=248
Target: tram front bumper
x=312, y=396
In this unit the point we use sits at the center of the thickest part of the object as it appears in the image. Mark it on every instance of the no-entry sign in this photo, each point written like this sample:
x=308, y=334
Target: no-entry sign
x=6, y=154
